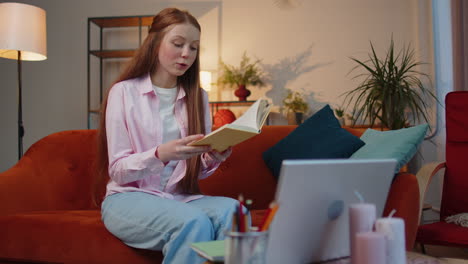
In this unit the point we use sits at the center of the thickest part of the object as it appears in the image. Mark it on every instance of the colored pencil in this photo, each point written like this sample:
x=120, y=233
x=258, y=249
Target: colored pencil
x=240, y=213
x=269, y=217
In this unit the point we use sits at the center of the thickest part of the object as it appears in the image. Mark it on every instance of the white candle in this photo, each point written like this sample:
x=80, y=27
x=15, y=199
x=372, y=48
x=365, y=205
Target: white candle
x=393, y=229
x=370, y=248
x=361, y=219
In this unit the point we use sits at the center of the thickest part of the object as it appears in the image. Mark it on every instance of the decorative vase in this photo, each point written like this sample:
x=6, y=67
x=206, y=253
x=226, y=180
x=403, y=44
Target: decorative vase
x=242, y=92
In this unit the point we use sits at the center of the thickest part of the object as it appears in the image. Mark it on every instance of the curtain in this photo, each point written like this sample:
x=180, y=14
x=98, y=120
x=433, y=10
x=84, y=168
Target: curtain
x=460, y=44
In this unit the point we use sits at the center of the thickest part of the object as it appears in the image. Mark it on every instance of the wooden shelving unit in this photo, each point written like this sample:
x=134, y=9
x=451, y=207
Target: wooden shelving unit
x=105, y=54
x=103, y=23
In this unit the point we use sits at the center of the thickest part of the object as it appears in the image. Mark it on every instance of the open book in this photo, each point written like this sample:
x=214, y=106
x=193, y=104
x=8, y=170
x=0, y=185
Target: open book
x=243, y=128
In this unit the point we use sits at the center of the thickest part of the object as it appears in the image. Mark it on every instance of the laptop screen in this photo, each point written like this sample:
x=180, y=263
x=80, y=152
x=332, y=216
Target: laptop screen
x=312, y=223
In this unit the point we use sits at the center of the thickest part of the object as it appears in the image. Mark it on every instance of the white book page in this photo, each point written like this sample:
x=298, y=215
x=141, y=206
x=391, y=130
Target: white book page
x=249, y=118
x=263, y=112
x=244, y=128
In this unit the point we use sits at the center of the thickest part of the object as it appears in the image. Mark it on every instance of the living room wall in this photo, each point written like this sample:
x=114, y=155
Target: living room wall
x=305, y=48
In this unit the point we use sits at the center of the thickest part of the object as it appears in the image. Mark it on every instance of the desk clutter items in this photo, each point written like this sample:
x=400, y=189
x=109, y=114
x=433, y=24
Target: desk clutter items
x=369, y=248
x=211, y=250
x=393, y=229
x=411, y=258
x=244, y=243
x=375, y=240
x=246, y=247
x=361, y=220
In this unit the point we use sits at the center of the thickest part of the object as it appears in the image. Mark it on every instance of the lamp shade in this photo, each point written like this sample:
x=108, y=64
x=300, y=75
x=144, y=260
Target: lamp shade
x=22, y=28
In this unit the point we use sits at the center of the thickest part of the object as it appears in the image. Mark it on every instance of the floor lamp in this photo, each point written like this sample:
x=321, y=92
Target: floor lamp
x=22, y=38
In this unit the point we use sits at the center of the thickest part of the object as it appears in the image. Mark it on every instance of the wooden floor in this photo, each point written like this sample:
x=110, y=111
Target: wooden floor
x=445, y=252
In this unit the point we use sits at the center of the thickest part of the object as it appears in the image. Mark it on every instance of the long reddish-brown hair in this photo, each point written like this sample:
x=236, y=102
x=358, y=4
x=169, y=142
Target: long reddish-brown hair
x=143, y=62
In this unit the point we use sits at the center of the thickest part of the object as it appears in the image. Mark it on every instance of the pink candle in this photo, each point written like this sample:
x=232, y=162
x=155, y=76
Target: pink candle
x=370, y=248
x=361, y=219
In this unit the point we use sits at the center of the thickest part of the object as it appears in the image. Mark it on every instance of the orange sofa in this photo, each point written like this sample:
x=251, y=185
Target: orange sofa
x=47, y=214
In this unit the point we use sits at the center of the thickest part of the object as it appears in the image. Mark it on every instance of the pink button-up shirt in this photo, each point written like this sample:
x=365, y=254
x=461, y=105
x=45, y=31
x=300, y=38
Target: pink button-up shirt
x=134, y=131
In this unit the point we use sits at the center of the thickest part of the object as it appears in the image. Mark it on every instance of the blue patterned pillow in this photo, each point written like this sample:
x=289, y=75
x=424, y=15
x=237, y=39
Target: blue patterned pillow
x=319, y=137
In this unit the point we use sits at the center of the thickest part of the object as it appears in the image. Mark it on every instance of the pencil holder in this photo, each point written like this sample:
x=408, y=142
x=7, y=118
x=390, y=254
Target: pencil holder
x=246, y=247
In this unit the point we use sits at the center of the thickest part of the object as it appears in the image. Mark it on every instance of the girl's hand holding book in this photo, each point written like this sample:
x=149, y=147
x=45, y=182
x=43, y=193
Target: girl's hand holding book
x=179, y=150
x=220, y=156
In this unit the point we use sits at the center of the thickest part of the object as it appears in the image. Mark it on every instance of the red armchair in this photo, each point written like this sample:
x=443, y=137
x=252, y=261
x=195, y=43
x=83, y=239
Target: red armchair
x=455, y=184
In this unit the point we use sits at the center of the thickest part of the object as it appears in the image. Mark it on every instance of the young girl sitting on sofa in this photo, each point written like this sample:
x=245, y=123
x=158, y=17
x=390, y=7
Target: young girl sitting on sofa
x=154, y=109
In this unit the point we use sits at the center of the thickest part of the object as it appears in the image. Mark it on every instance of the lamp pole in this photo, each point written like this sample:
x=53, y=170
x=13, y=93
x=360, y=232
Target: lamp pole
x=20, y=110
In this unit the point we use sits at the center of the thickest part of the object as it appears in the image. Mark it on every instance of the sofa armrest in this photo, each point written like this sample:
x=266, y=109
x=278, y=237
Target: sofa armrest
x=19, y=189
x=56, y=173
x=403, y=196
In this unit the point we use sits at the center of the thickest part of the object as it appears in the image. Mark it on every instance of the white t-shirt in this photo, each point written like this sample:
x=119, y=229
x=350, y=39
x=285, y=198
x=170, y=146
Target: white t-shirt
x=170, y=127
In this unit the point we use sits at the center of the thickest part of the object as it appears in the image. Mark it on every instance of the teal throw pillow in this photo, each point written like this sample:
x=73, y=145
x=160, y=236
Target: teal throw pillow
x=319, y=137
x=399, y=144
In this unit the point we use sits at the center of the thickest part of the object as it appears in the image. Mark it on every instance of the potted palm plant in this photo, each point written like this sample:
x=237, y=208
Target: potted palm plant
x=295, y=103
x=248, y=73
x=392, y=91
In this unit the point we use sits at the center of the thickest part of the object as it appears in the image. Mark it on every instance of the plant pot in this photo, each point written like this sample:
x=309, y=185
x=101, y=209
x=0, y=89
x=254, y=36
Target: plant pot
x=242, y=93
x=342, y=121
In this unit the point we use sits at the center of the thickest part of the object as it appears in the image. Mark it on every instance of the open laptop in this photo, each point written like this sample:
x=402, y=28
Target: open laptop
x=312, y=223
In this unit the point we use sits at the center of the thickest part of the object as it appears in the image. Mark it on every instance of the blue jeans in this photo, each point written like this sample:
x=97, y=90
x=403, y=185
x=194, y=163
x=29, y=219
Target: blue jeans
x=147, y=221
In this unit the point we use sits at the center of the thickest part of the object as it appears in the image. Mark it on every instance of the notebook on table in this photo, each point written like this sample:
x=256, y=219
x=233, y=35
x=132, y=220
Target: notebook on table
x=211, y=250
x=309, y=226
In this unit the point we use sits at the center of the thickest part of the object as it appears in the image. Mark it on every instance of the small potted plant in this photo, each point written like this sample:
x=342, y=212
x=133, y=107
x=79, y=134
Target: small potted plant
x=339, y=112
x=392, y=91
x=295, y=103
x=248, y=73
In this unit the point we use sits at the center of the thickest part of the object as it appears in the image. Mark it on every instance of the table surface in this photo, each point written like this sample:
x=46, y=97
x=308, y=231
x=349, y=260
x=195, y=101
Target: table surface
x=413, y=258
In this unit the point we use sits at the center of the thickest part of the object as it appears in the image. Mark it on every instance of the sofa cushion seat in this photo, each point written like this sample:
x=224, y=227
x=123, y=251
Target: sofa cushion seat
x=72, y=236
x=79, y=237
